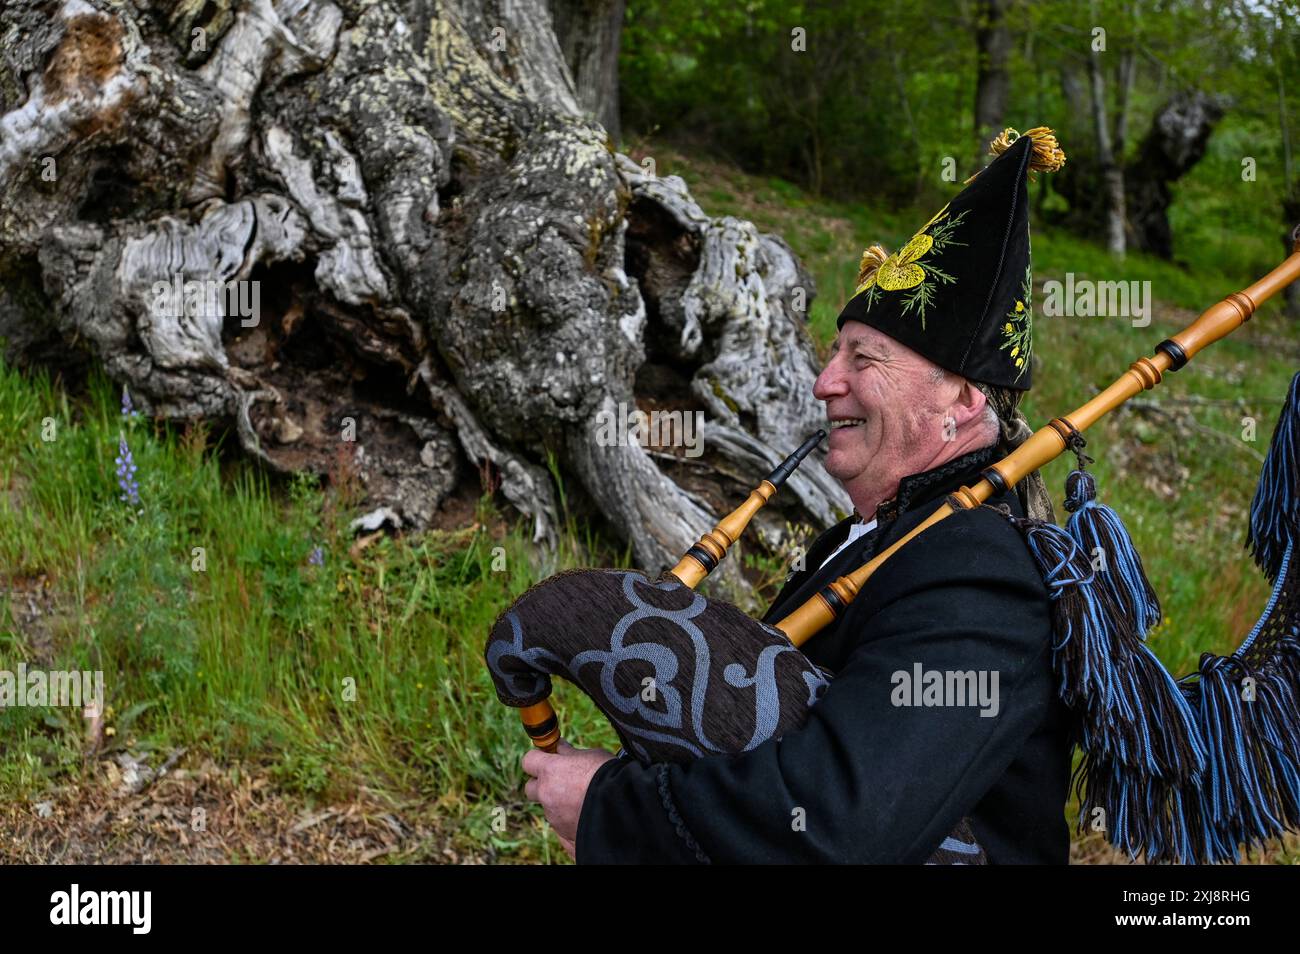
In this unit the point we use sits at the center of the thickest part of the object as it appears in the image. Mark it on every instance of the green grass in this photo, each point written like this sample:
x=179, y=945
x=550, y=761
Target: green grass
x=357, y=671
x=255, y=658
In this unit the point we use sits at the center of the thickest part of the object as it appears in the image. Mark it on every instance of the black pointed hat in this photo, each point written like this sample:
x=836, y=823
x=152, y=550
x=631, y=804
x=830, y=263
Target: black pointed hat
x=959, y=291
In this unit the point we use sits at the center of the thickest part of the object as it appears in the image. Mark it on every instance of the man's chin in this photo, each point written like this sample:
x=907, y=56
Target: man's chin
x=843, y=466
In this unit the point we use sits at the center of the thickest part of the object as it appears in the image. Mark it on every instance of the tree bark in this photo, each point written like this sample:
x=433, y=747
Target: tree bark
x=1112, y=174
x=1176, y=141
x=1076, y=98
x=449, y=254
x=589, y=32
x=992, y=77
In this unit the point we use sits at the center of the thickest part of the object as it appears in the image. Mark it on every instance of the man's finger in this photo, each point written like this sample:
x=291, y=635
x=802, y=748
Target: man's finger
x=534, y=761
x=531, y=789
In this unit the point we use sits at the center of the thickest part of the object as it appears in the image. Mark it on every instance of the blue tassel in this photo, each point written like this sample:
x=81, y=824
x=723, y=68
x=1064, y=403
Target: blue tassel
x=1185, y=771
x=1142, y=748
x=1099, y=531
x=1252, y=789
x=1276, y=505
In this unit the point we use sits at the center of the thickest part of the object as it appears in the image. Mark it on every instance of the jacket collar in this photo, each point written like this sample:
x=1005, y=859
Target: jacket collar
x=913, y=490
x=916, y=489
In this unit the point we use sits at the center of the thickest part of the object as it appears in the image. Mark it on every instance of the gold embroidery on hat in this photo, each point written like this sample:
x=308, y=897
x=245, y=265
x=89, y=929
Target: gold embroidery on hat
x=907, y=268
x=1017, y=331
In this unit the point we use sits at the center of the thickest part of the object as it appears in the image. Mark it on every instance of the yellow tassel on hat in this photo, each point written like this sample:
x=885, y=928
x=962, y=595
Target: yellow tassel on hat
x=1046, y=155
x=872, y=259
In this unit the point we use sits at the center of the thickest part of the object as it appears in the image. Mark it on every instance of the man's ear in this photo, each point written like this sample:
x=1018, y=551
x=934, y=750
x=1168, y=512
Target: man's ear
x=968, y=404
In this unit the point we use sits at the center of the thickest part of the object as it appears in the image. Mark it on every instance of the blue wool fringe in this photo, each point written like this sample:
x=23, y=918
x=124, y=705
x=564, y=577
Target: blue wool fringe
x=1273, y=511
x=1141, y=746
x=1252, y=790
x=1254, y=779
x=1096, y=527
x=1186, y=771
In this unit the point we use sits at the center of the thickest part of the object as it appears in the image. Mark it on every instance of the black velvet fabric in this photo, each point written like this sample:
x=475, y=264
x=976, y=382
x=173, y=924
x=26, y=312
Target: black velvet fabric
x=864, y=780
x=959, y=291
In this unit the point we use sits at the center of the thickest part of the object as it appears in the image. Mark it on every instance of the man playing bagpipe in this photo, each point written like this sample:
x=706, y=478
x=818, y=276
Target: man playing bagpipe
x=939, y=709
x=878, y=774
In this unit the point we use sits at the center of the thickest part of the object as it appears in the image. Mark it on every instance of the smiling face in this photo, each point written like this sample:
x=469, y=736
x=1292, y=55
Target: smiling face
x=888, y=407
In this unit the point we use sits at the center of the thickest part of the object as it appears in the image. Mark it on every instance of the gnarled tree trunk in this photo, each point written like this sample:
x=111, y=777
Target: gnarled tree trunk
x=455, y=267
x=590, y=32
x=1179, y=134
x=1176, y=140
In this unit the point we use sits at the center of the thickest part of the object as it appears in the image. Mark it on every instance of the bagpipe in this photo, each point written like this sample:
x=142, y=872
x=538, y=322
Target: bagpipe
x=1184, y=770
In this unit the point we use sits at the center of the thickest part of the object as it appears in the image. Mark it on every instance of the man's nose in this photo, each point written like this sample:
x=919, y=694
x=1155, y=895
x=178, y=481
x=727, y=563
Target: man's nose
x=830, y=383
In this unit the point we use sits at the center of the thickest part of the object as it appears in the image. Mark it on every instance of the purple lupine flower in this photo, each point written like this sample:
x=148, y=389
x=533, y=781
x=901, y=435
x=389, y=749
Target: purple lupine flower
x=127, y=407
x=317, y=557
x=126, y=473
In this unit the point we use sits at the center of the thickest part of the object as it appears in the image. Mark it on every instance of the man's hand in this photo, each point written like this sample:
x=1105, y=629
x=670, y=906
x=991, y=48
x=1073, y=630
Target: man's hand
x=560, y=783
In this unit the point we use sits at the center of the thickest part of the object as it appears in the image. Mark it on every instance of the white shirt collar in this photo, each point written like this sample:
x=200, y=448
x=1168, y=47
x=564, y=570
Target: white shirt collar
x=856, y=530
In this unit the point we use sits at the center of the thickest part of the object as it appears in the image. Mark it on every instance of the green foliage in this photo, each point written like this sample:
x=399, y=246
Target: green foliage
x=363, y=670
x=873, y=98
x=734, y=75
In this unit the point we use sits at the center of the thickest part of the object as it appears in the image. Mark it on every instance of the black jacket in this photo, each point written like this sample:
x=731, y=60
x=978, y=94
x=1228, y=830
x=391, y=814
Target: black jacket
x=865, y=779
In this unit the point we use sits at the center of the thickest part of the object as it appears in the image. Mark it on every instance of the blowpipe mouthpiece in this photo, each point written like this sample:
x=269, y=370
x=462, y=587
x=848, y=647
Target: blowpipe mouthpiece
x=787, y=466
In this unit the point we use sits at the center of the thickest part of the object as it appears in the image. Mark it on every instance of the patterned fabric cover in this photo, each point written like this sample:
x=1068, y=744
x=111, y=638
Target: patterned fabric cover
x=677, y=675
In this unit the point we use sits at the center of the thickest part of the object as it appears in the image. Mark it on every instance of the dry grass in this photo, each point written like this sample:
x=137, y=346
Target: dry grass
x=1093, y=849
x=212, y=815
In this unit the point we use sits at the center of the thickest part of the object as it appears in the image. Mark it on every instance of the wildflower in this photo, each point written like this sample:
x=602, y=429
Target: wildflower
x=317, y=557
x=127, y=407
x=126, y=473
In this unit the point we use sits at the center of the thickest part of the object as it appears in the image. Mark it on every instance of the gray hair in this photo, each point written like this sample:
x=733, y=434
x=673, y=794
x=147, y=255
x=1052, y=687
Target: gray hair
x=992, y=423
x=1009, y=430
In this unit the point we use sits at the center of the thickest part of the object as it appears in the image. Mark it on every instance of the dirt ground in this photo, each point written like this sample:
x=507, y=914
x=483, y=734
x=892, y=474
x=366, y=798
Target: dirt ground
x=209, y=815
